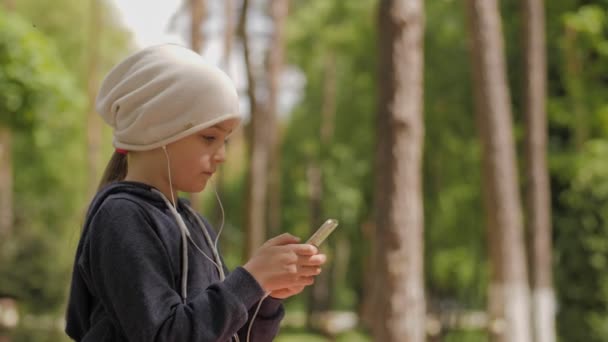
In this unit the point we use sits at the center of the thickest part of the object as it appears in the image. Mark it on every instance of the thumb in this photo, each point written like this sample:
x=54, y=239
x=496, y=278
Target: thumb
x=283, y=239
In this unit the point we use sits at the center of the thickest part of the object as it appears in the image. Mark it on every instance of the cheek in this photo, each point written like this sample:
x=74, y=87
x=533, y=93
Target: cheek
x=182, y=167
x=191, y=164
x=203, y=159
x=188, y=177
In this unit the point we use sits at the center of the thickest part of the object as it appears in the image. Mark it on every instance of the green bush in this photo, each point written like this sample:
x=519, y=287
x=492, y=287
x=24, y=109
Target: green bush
x=581, y=226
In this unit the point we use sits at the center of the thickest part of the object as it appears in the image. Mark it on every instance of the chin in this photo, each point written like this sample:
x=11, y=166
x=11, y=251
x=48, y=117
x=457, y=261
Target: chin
x=196, y=187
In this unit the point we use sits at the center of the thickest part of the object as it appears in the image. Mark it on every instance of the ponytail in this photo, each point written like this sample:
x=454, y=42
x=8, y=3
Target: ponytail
x=115, y=171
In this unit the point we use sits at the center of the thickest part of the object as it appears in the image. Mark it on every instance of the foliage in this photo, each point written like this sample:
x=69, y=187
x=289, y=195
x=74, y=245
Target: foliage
x=39, y=93
x=43, y=101
x=30, y=74
x=578, y=131
x=582, y=245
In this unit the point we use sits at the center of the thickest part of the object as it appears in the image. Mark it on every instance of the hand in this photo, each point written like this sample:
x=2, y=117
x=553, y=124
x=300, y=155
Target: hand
x=285, y=293
x=281, y=263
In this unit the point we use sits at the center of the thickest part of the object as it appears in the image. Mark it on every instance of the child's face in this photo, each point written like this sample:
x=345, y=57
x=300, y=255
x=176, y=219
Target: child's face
x=195, y=158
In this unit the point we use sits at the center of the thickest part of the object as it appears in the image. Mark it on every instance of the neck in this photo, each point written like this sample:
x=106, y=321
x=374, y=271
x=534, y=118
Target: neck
x=148, y=174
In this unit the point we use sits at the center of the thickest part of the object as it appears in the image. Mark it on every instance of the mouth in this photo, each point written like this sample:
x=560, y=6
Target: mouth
x=209, y=173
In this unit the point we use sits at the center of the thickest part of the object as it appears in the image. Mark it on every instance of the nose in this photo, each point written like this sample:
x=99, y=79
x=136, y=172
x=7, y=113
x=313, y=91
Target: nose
x=220, y=154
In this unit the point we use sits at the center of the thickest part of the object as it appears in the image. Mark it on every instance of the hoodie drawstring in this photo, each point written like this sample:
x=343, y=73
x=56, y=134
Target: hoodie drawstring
x=185, y=235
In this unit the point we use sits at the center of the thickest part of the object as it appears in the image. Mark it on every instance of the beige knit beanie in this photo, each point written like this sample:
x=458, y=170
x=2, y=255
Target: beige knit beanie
x=162, y=94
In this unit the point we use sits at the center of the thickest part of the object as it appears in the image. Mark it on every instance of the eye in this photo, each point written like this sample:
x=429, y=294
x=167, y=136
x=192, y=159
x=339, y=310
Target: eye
x=209, y=138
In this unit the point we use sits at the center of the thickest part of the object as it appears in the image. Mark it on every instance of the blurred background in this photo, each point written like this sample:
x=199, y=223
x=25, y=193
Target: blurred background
x=462, y=145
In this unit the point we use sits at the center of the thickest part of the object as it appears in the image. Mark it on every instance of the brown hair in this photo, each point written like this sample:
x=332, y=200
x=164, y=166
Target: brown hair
x=115, y=171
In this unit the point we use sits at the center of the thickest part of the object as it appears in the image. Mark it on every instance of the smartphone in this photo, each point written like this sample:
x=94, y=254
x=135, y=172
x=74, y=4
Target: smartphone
x=323, y=232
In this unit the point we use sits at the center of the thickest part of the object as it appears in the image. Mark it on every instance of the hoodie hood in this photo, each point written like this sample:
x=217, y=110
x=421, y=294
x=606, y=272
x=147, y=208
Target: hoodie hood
x=153, y=196
x=142, y=191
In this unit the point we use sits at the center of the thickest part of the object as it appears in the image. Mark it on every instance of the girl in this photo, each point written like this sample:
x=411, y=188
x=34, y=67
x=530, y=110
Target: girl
x=147, y=267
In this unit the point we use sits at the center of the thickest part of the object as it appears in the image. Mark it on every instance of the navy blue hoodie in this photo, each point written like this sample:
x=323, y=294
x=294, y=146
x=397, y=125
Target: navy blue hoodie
x=126, y=278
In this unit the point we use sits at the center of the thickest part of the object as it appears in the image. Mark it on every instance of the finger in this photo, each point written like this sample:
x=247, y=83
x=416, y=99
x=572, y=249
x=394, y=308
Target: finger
x=307, y=281
x=291, y=269
x=291, y=291
x=304, y=249
x=297, y=289
x=309, y=271
x=303, y=281
x=283, y=239
x=280, y=294
x=314, y=260
x=292, y=281
x=286, y=292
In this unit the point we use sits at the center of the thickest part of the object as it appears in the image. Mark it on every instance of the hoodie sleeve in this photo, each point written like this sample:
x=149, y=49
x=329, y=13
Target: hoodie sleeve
x=131, y=272
x=267, y=322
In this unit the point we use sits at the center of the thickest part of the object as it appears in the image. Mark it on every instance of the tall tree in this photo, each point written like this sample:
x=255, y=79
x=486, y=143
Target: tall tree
x=6, y=169
x=197, y=16
x=400, y=313
x=509, y=305
x=226, y=61
x=6, y=181
x=537, y=175
x=259, y=154
x=575, y=86
x=278, y=12
x=320, y=293
x=94, y=125
x=228, y=34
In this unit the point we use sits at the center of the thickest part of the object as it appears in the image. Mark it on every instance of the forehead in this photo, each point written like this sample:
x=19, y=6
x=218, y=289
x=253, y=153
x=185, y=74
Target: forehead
x=226, y=126
x=218, y=126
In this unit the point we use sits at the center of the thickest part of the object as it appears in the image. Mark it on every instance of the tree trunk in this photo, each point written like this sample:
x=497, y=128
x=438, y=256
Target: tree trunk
x=9, y=5
x=255, y=229
x=538, y=188
x=369, y=303
x=575, y=87
x=6, y=188
x=197, y=15
x=228, y=34
x=226, y=55
x=400, y=312
x=320, y=294
x=94, y=125
x=6, y=183
x=328, y=106
x=509, y=303
x=279, y=10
